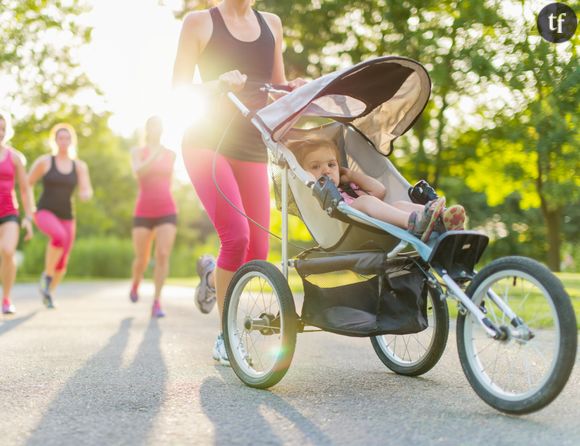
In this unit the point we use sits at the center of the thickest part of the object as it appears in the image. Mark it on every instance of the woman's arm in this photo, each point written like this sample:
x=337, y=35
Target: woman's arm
x=85, y=187
x=368, y=184
x=278, y=73
x=25, y=192
x=188, y=49
x=38, y=170
x=141, y=167
x=275, y=24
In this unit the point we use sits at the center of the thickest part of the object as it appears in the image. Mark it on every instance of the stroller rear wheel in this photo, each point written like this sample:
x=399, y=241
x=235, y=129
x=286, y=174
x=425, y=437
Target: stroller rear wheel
x=529, y=366
x=417, y=353
x=260, y=324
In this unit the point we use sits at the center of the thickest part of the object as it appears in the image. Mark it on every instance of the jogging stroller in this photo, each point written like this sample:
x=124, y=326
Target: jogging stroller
x=516, y=328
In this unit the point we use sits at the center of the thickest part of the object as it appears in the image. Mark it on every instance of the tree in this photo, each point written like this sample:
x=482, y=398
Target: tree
x=39, y=58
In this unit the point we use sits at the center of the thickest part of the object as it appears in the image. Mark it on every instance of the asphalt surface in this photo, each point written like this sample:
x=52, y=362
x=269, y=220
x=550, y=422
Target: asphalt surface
x=98, y=371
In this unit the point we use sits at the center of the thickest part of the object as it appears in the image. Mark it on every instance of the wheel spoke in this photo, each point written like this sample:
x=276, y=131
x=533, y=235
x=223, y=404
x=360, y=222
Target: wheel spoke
x=406, y=348
x=490, y=343
x=420, y=344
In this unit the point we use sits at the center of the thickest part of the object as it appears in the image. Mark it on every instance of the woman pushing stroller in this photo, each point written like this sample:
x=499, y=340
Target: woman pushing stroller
x=321, y=157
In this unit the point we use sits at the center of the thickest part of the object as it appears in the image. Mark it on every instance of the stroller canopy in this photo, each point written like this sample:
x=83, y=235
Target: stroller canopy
x=381, y=97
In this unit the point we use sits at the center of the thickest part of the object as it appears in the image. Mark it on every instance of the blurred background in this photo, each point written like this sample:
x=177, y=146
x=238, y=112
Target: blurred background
x=500, y=134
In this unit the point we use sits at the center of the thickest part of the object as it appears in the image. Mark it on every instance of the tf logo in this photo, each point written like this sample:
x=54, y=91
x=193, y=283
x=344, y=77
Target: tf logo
x=557, y=22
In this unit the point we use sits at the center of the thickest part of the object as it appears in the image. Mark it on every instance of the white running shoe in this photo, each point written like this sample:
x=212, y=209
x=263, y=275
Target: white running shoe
x=219, y=351
x=205, y=297
x=44, y=288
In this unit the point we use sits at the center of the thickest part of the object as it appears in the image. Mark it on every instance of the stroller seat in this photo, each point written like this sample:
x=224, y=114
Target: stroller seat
x=331, y=233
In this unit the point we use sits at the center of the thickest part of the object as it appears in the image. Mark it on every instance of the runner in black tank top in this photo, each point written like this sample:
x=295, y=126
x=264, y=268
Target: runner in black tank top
x=55, y=214
x=255, y=59
x=57, y=190
x=208, y=39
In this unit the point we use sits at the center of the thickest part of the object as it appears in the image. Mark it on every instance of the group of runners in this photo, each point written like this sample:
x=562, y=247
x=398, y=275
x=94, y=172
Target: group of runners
x=60, y=173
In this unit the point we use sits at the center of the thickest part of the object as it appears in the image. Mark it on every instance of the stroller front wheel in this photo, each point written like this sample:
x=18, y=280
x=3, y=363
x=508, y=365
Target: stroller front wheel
x=259, y=324
x=528, y=367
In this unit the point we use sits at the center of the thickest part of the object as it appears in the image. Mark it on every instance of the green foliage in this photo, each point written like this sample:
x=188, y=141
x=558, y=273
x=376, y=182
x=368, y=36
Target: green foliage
x=90, y=257
x=40, y=39
x=101, y=257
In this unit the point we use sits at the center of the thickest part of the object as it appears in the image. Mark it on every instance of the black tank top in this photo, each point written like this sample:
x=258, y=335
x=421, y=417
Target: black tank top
x=57, y=191
x=255, y=59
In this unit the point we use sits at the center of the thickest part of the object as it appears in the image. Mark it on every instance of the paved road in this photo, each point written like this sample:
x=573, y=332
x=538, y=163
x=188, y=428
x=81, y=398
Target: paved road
x=99, y=371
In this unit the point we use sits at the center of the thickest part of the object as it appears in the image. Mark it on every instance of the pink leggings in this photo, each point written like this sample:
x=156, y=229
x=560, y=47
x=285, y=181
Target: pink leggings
x=61, y=233
x=245, y=184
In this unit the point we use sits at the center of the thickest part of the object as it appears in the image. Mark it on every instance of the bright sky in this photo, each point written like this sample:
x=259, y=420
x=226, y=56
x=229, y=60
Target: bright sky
x=131, y=58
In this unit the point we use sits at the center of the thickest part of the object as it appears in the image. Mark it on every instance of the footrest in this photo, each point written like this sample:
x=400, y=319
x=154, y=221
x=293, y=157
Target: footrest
x=457, y=252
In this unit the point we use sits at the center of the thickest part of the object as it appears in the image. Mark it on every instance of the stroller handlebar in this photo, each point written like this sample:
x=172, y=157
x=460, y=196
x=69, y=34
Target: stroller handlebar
x=267, y=87
x=257, y=86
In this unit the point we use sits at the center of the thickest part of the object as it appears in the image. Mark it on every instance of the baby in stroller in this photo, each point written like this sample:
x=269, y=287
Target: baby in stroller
x=321, y=157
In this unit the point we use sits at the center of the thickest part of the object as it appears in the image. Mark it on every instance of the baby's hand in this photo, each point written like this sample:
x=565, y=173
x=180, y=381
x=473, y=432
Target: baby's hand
x=345, y=175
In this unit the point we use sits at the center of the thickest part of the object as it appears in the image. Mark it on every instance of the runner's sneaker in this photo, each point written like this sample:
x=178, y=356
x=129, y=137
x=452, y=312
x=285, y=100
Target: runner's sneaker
x=156, y=310
x=133, y=295
x=44, y=288
x=205, y=297
x=219, y=351
x=7, y=307
x=422, y=224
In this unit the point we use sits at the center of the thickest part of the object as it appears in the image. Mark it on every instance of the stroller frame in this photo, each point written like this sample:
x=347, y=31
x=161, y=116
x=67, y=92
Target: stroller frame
x=426, y=251
x=486, y=299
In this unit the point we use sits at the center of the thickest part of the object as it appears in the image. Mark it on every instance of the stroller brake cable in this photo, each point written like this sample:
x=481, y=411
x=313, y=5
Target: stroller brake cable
x=238, y=210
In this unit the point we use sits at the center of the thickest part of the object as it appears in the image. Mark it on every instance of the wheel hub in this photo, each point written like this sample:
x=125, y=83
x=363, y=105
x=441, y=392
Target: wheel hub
x=267, y=324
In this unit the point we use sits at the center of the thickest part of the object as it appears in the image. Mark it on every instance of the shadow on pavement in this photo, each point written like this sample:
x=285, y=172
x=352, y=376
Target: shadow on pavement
x=238, y=413
x=104, y=403
x=9, y=324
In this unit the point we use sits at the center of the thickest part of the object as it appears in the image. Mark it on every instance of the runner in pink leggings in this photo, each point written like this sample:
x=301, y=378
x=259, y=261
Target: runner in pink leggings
x=155, y=215
x=60, y=174
x=230, y=43
x=11, y=170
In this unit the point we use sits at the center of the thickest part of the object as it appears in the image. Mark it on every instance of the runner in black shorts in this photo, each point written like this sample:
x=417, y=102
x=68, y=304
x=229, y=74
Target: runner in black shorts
x=155, y=212
x=152, y=222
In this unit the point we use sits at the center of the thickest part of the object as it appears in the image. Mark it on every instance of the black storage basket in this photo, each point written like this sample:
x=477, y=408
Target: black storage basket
x=393, y=302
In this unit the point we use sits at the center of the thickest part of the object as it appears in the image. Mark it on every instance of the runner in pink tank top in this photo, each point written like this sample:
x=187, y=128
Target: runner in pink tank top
x=8, y=205
x=155, y=211
x=155, y=199
x=12, y=169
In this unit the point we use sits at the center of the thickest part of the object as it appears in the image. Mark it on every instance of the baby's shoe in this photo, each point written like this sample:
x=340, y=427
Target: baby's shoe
x=452, y=219
x=422, y=224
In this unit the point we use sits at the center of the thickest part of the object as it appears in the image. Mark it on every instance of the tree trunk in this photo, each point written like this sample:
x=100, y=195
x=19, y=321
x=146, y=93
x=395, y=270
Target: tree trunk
x=439, y=143
x=553, y=220
x=421, y=163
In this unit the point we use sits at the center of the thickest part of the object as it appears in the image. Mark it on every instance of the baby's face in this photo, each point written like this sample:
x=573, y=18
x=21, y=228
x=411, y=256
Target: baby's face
x=321, y=162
